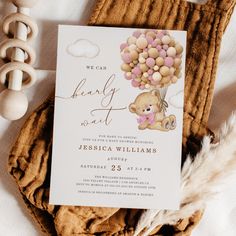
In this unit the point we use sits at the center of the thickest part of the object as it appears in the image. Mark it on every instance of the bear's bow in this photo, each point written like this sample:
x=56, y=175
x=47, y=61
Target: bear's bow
x=150, y=118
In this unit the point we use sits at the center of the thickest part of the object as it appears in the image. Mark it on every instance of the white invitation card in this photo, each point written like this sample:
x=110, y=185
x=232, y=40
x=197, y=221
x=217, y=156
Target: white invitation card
x=118, y=117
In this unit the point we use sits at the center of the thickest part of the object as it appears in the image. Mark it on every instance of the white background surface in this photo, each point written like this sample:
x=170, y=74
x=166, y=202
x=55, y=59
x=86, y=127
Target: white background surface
x=220, y=216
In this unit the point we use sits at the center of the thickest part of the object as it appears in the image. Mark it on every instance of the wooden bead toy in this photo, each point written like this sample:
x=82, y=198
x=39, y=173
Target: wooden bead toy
x=13, y=102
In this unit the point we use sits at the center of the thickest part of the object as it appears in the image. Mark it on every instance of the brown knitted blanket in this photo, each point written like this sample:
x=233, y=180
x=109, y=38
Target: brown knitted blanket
x=30, y=158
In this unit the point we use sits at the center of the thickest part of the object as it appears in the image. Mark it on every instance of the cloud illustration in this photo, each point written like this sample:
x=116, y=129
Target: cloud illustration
x=83, y=48
x=177, y=100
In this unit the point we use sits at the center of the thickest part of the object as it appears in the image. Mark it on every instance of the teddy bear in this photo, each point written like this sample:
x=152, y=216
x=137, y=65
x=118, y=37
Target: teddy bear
x=151, y=108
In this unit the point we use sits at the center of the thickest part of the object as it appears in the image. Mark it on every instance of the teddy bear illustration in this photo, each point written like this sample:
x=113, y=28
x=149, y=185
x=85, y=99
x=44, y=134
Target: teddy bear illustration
x=151, y=108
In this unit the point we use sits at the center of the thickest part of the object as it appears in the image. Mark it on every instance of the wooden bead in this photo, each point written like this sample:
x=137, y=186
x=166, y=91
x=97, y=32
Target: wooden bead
x=125, y=67
x=178, y=48
x=153, y=52
x=131, y=64
x=134, y=55
x=141, y=43
x=132, y=47
x=156, y=76
x=172, y=70
x=164, y=70
x=171, y=52
x=24, y=3
x=159, y=61
x=156, y=68
x=13, y=104
x=172, y=43
x=158, y=41
x=131, y=40
x=166, y=39
x=165, y=80
x=177, y=72
x=128, y=73
x=143, y=67
x=177, y=62
x=144, y=54
x=151, y=34
x=141, y=60
x=145, y=79
x=174, y=79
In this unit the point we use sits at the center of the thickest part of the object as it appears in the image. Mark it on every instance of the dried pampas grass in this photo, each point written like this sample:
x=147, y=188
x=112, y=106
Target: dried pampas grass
x=202, y=178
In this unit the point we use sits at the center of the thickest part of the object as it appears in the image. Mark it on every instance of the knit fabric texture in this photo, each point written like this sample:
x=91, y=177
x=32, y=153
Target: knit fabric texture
x=30, y=158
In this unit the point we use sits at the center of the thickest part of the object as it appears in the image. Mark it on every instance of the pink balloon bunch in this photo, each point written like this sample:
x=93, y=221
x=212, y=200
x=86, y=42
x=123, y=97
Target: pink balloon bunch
x=151, y=59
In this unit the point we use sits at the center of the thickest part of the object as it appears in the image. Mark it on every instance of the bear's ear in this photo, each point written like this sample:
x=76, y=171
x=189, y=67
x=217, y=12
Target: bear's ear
x=132, y=108
x=156, y=93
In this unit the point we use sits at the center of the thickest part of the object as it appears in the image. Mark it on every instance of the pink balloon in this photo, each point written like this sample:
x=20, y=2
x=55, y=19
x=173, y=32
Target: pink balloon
x=126, y=57
x=128, y=77
x=163, y=53
x=135, y=83
x=123, y=46
x=154, y=43
x=160, y=35
x=150, y=62
x=169, y=61
x=136, y=70
x=142, y=87
x=165, y=47
x=137, y=33
x=149, y=39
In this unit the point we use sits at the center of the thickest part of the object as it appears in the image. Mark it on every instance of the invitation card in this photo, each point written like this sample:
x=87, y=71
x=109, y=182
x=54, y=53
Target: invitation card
x=118, y=117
